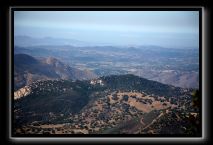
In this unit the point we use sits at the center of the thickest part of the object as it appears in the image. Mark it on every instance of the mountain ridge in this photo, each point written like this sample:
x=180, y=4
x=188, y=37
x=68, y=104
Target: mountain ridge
x=28, y=69
x=69, y=102
x=26, y=41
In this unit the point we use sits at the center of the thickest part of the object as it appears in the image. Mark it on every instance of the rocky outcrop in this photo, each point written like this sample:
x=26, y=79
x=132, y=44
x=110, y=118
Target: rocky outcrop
x=22, y=92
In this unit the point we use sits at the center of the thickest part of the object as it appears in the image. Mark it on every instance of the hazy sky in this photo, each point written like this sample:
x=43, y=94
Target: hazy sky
x=164, y=28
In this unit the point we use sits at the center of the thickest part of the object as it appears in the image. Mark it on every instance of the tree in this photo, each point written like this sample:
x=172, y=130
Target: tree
x=196, y=99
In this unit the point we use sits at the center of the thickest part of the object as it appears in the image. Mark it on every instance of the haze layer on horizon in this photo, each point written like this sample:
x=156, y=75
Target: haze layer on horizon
x=171, y=29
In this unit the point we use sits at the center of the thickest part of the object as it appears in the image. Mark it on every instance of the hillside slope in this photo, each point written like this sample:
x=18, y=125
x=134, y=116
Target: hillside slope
x=67, y=97
x=28, y=69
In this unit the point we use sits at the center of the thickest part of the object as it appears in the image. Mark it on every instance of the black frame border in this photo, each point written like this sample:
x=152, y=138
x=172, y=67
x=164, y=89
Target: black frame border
x=104, y=8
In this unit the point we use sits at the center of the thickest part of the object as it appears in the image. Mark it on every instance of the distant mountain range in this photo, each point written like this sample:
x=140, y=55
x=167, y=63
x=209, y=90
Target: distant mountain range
x=28, y=69
x=177, y=67
x=26, y=41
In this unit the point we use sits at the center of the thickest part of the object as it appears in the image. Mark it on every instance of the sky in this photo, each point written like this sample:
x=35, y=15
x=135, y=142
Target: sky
x=171, y=29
